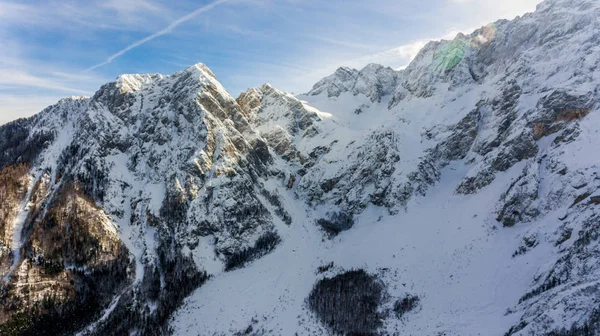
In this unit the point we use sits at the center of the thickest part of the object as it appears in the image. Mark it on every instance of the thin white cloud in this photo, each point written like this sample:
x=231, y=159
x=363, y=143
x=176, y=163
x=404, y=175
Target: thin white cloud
x=23, y=69
x=20, y=73
x=77, y=16
x=27, y=86
x=398, y=58
x=478, y=12
x=161, y=32
x=12, y=78
x=130, y=7
x=486, y=11
x=20, y=106
x=347, y=44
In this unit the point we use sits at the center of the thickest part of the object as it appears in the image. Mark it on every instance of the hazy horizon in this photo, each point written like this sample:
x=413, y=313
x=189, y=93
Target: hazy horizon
x=55, y=49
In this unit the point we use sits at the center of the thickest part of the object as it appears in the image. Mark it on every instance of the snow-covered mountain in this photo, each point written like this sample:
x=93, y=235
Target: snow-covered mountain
x=456, y=197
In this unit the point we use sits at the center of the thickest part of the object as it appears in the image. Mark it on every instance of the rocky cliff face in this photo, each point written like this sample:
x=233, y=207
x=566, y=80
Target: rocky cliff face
x=143, y=174
x=462, y=192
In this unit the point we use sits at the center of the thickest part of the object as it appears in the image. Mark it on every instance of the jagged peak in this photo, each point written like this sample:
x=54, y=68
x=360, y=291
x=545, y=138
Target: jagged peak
x=342, y=73
x=375, y=67
x=67, y=102
x=259, y=92
x=340, y=81
x=186, y=175
x=52, y=115
x=269, y=89
x=348, y=72
x=374, y=80
x=135, y=82
x=202, y=69
x=345, y=70
x=73, y=99
x=200, y=77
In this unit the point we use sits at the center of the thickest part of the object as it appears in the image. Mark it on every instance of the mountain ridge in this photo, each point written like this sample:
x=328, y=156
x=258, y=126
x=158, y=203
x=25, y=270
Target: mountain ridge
x=164, y=195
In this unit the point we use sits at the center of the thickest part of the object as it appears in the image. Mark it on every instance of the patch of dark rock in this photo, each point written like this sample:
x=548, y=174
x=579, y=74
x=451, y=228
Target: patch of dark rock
x=527, y=244
x=252, y=329
x=472, y=184
x=558, y=109
x=562, y=271
x=565, y=235
x=515, y=329
x=324, y=268
x=290, y=183
x=337, y=222
x=550, y=283
x=509, y=222
x=567, y=136
x=406, y=304
x=91, y=176
x=509, y=218
x=17, y=145
x=349, y=303
x=93, y=287
x=589, y=233
x=591, y=327
x=580, y=199
x=131, y=315
x=259, y=154
x=426, y=175
x=319, y=151
x=263, y=246
x=174, y=208
x=51, y=317
x=275, y=201
x=519, y=149
x=328, y=185
x=456, y=146
x=595, y=200
x=516, y=210
x=379, y=197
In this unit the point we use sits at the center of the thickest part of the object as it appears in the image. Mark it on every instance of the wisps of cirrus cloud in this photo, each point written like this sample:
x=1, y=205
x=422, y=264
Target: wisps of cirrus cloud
x=397, y=58
x=22, y=72
x=29, y=81
x=311, y=40
x=27, y=87
x=82, y=17
x=472, y=13
x=159, y=33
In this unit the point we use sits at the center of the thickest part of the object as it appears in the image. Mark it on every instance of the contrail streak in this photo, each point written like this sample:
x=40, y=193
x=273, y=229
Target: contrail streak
x=159, y=33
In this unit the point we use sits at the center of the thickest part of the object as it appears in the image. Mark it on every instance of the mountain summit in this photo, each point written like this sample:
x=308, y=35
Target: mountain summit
x=459, y=196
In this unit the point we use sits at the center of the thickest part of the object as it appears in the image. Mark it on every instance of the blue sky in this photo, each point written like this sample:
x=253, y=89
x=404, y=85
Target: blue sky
x=51, y=49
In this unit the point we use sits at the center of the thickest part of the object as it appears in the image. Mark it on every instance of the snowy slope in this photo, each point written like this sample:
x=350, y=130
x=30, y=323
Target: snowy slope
x=469, y=180
x=459, y=173
x=443, y=249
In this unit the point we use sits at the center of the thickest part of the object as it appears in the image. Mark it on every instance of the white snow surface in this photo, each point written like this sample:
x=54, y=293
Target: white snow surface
x=446, y=247
x=430, y=162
